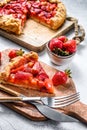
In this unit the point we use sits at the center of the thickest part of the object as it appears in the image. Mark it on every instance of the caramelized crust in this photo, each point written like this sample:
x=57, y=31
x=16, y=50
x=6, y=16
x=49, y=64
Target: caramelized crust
x=3, y=2
x=10, y=24
x=18, y=61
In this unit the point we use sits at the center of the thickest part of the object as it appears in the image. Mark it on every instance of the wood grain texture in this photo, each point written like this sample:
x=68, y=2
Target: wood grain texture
x=36, y=35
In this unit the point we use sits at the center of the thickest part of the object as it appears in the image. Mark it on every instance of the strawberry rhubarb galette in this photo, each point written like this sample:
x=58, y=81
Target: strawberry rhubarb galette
x=24, y=70
x=13, y=14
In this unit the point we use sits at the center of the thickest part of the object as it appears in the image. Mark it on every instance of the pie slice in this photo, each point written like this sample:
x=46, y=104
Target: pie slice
x=25, y=71
x=13, y=16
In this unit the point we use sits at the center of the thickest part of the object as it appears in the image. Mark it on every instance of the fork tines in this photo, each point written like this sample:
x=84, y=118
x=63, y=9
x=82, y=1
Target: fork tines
x=66, y=100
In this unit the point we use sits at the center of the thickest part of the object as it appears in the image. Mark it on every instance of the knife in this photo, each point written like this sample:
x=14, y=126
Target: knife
x=52, y=113
x=44, y=109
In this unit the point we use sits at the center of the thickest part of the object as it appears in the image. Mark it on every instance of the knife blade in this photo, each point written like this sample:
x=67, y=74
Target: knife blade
x=42, y=108
x=52, y=113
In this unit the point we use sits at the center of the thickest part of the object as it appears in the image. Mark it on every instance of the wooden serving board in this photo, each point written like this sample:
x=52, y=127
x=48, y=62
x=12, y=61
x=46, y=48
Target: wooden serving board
x=78, y=109
x=36, y=35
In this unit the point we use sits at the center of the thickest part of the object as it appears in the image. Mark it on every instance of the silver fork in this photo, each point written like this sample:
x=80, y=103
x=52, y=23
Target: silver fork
x=54, y=102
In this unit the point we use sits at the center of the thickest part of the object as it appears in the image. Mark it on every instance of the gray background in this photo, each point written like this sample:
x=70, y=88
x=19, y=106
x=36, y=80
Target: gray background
x=11, y=120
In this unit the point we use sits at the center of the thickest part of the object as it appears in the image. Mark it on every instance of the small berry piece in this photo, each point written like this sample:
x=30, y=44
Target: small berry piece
x=13, y=53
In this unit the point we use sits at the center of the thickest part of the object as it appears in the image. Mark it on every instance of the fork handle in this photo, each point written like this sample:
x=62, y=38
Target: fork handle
x=10, y=99
x=19, y=97
x=79, y=110
x=13, y=99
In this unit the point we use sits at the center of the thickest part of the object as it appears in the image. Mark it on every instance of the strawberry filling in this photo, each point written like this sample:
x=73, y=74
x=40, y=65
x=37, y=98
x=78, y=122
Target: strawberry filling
x=17, y=8
x=42, y=10
x=33, y=76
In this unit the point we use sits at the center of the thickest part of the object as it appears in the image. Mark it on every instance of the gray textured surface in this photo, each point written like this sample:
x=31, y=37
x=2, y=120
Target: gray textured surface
x=11, y=120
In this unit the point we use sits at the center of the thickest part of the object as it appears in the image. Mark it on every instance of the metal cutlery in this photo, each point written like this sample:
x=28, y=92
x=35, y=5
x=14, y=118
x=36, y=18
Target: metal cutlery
x=47, y=111
x=54, y=102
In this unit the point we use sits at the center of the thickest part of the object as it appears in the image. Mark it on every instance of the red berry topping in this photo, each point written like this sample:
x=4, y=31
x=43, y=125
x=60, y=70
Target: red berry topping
x=13, y=53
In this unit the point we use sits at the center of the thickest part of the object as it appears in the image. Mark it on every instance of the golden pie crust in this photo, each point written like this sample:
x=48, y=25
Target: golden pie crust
x=3, y=2
x=10, y=24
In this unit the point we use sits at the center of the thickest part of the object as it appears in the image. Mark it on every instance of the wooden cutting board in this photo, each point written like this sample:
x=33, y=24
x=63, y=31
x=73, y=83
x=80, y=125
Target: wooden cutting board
x=36, y=35
x=78, y=109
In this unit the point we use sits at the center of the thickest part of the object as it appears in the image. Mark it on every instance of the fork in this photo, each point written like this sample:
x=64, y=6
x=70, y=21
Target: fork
x=54, y=102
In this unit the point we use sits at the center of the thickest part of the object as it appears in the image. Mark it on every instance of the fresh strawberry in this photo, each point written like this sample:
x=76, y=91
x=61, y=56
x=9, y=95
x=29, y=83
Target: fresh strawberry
x=13, y=53
x=70, y=46
x=61, y=77
x=63, y=38
x=55, y=43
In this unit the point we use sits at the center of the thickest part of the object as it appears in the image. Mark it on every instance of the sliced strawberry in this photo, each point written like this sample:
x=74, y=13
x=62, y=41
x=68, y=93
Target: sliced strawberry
x=28, y=5
x=43, y=7
x=34, y=82
x=42, y=76
x=55, y=43
x=20, y=68
x=37, y=11
x=49, y=86
x=70, y=46
x=36, y=68
x=36, y=4
x=20, y=75
x=40, y=84
x=47, y=15
x=46, y=86
x=53, y=6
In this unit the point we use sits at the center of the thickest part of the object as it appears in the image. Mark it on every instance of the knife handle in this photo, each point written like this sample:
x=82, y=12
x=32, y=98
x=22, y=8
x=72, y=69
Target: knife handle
x=7, y=90
x=79, y=110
